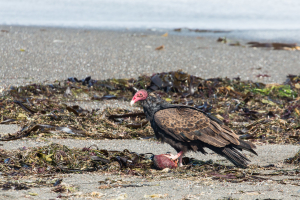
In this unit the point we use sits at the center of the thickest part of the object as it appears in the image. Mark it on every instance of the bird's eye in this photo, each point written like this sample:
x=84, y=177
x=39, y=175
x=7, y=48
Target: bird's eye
x=140, y=95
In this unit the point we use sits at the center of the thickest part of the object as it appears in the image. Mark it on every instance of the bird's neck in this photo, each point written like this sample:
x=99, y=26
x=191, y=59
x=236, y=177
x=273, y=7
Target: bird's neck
x=151, y=105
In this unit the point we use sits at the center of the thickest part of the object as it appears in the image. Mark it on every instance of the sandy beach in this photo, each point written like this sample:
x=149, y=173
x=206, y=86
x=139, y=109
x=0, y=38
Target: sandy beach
x=42, y=54
x=35, y=54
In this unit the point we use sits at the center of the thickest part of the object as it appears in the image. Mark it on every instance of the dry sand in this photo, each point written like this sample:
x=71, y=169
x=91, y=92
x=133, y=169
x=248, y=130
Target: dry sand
x=33, y=54
x=40, y=54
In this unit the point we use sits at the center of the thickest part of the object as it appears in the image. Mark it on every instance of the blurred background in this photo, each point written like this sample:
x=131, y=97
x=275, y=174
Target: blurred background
x=273, y=20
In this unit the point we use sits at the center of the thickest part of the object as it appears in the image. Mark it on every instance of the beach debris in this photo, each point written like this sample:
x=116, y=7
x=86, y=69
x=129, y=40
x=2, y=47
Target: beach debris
x=155, y=196
x=165, y=35
x=64, y=188
x=57, y=182
x=105, y=97
x=160, y=47
x=262, y=76
x=44, y=109
x=33, y=194
x=260, y=113
x=222, y=40
x=14, y=186
x=275, y=46
x=139, y=121
x=237, y=43
x=59, y=158
x=208, y=31
x=295, y=159
x=201, y=30
x=97, y=194
x=119, y=183
x=53, y=159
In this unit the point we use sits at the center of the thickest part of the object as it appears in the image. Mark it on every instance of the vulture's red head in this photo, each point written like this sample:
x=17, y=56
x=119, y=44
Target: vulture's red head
x=139, y=96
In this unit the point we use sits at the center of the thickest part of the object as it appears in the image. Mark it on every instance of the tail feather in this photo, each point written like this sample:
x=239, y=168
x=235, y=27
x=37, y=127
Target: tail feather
x=232, y=153
x=235, y=157
x=245, y=145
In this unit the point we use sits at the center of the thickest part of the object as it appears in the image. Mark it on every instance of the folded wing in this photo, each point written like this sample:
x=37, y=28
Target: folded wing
x=186, y=124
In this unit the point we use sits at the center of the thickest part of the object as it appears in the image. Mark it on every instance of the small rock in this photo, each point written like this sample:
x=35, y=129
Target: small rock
x=166, y=170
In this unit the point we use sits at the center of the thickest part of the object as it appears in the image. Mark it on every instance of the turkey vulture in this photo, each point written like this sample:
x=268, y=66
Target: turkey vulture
x=187, y=128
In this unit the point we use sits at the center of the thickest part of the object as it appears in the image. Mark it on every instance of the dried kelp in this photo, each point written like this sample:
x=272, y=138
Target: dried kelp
x=201, y=30
x=208, y=31
x=77, y=122
x=59, y=158
x=271, y=45
x=13, y=185
x=262, y=113
x=56, y=159
x=275, y=46
x=294, y=160
x=267, y=113
x=21, y=183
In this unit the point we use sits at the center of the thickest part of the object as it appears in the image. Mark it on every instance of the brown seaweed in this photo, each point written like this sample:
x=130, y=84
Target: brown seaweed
x=59, y=159
x=261, y=113
x=235, y=102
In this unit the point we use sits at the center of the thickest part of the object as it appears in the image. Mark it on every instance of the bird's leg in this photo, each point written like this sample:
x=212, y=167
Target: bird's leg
x=180, y=161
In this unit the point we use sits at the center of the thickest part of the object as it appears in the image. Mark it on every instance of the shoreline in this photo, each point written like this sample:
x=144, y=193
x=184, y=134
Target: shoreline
x=243, y=35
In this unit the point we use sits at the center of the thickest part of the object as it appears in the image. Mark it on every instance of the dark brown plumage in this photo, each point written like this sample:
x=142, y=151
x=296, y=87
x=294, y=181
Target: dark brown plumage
x=189, y=129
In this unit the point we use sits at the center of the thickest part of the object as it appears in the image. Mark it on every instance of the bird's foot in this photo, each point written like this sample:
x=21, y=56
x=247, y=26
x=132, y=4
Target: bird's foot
x=171, y=156
x=175, y=157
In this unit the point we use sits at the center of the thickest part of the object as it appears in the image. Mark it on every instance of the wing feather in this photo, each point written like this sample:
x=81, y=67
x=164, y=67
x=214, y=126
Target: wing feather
x=186, y=124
